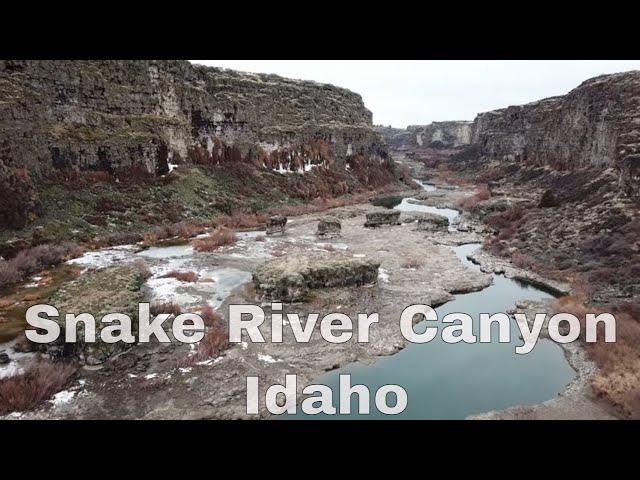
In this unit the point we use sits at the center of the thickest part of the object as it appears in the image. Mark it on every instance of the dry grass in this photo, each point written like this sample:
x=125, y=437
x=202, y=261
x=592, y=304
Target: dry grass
x=39, y=382
x=521, y=260
x=260, y=238
x=143, y=269
x=618, y=377
x=158, y=308
x=220, y=237
x=32, y=260
x=215, y=341
x=180, y=230
x=481, y=194
x=182, y=276
x=210, y=317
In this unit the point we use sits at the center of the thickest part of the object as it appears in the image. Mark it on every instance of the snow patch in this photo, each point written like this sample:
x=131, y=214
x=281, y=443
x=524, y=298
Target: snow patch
x=63, y=397
x=383, y=275
x=105, y=257
x=267, y=358
x=11, y=370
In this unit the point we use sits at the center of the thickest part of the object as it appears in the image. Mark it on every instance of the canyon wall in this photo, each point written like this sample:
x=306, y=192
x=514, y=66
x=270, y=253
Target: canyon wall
x=595, y=125
x=451, y=134
x=106, y=115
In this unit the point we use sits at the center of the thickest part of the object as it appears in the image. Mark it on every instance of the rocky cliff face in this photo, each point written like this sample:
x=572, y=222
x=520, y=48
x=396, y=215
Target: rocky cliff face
x=595, y=125
x=435, y=135
x=131, y=117
x=104, y=115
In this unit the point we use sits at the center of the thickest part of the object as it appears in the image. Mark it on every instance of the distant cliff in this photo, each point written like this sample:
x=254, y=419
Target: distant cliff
x=595, y=125
x=451, y=134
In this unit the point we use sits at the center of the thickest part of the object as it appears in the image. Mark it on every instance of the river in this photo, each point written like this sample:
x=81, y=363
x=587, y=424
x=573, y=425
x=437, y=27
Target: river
x=452, y=381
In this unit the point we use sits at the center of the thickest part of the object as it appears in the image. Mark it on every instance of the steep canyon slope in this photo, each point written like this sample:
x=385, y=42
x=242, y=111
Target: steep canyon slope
x=256, y=140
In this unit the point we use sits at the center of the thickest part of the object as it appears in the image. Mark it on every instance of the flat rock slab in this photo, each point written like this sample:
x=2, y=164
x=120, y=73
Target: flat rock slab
x=382, y=217
x=290, y=279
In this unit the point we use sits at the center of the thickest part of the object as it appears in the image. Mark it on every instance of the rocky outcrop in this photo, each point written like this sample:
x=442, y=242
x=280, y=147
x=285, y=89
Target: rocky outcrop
x=329, y=227
x=451, y=134
x=291, y=278
x=111, y=114
x=382, y=217
x=276, y=224
x=432, y=222
x=135, y=118
x=595, y=125
x=396, y=138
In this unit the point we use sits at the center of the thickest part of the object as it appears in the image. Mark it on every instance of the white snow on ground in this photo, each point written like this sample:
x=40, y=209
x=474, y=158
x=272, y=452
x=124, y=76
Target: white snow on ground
x=167, y=252
x=211, y=361
x=151, y=376
x=383, y=275
x=34, y=281
x=11, y=370
x=63, y=397
x=335, y=246
x=167, y=289
x=105, y=257
x=18, y=360
x=267, y=358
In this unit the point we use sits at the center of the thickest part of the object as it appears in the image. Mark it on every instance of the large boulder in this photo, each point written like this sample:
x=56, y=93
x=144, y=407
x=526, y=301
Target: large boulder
x=548, y=200
x=276, y=224
x=289, y=279
x=383, y=217
x=432, y=222
x=329, y=227
x=387, y=201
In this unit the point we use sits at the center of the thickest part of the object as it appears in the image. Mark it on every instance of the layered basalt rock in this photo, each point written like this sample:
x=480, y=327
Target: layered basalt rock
x=329, y=227
x=115, y=116
x=109, y=114
x=595, y=125
x=452, y=134
x=382, y=218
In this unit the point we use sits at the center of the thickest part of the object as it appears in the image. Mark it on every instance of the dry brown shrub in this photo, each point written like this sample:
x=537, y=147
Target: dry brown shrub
x=182, y=276
x=39, y=382
x=158, y=308
x=482, y=193
x=221, y=236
